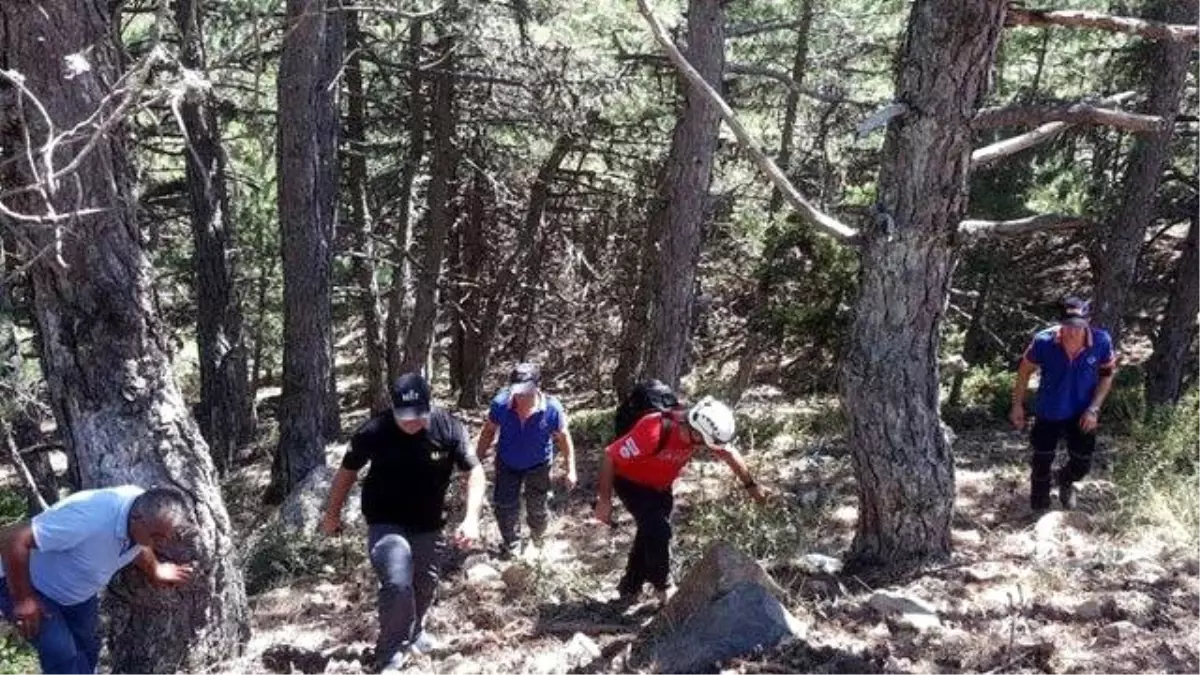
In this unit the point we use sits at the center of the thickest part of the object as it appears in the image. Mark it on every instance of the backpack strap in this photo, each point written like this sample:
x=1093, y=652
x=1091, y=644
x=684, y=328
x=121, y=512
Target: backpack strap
x=665, y=435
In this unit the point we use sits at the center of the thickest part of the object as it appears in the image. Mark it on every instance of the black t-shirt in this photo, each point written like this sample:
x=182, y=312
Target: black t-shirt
x=409, y=473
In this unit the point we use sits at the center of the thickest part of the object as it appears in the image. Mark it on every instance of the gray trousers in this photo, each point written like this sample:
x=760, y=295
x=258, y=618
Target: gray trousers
x=407, y=566
x=506, y=500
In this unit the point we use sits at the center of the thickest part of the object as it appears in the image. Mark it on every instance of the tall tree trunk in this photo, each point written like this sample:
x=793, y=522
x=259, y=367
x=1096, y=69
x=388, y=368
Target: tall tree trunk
x=376, y=396
x=902, y=456
x=683, y=195
x=308, y=181
x=1169, y=362
x=472, y=305
x=440, y=210
x=756, y=340
x=527, y=303
x=640, y=265
x=521, y=266
x=226, y=410
x=408, y=173
x=104, y=352
x=1115, y=254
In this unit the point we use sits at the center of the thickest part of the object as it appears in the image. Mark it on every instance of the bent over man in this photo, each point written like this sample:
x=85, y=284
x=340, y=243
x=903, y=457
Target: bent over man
x=56, y=564
x=642, y=466
x=412, y=450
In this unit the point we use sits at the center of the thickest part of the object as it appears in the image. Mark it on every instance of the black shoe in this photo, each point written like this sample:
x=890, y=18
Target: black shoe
x=510, y=550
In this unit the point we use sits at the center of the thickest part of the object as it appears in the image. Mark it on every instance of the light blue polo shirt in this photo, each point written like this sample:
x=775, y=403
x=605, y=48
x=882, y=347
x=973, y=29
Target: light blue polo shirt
x=524, y=445
x=82, y=541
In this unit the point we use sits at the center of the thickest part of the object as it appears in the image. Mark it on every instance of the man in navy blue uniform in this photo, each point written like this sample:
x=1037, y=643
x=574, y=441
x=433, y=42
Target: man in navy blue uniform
x=1077, y=363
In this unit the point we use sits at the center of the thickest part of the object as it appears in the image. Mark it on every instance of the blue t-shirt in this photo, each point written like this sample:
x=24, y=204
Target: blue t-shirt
x=1067, y=385
x=524, y=445
x=82, y=541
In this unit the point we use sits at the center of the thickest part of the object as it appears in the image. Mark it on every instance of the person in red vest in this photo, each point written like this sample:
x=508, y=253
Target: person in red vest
x=641, y=467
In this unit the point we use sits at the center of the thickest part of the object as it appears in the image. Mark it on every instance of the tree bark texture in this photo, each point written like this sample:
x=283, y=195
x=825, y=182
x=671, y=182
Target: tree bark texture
x=441, y=210
x=308, y=183
x=103, y=351
x=226, y=409
x=902, y=456
x=683, y=198
x=376, y=395
x=1116, y=250
x=1172, y=343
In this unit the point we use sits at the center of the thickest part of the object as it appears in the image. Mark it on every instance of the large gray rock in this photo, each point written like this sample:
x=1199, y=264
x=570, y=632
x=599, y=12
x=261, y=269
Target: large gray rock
x=303, y=509
x=745, y=618
x=720, y=569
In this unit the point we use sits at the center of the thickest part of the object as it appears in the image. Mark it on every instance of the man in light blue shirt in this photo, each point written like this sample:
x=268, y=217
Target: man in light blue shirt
x=530, y=424
x=55, y=565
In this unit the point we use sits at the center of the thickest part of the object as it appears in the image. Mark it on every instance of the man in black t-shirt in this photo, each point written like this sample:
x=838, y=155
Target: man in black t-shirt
x=412, y=450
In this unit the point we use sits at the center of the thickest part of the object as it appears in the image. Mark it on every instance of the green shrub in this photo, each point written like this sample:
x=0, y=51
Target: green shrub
x=776, y=530
x=282, y=556
x=1157, y=473
x=16, y=655
x=13, y=506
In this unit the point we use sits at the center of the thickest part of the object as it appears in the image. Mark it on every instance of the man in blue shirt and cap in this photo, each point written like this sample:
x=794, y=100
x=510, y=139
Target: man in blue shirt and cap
x=1077, y=363
x=56, y=564
x=530, y=424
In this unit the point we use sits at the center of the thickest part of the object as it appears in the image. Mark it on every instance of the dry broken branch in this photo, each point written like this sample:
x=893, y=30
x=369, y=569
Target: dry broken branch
x=786, y=80
x=1151, y=30
x=1081, y=112
x=1040, y=223
x=991, y=154
x=806, y=210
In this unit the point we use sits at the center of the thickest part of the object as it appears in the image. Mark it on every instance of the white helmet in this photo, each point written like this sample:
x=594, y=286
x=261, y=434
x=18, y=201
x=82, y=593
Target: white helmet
x=713, y=420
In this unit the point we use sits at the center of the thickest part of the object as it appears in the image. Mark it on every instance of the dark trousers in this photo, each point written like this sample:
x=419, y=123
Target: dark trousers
x=650, y=558
x=1044, y=439
x=506, y=500
x=68, y=638
x=407, y=566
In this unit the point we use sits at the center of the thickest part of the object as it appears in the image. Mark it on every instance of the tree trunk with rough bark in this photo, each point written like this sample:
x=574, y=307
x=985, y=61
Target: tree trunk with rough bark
x=1117, y=249
x=902, y=457
x=104, y=352
x=683, y=198
x=226, y=409
x=308, y=183
x=376, y=394
x=401, y=267
x=441, y=210
x=1170, y=361
x=470, y=348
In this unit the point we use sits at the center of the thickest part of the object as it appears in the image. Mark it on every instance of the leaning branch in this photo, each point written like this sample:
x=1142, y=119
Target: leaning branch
x=992, y=154
x=1082, y=112
x=26, y=475
x=802, y=205
x=1151, y=30
x=978, y=229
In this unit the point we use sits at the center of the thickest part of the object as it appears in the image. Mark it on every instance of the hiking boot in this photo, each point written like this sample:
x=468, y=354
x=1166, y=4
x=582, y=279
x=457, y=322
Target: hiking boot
x=395, y=664
x=1066, y=495
x=425, y=643
x=510, y=550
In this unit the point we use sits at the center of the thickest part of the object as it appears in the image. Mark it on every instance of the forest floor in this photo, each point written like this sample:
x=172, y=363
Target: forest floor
x=1069, y=592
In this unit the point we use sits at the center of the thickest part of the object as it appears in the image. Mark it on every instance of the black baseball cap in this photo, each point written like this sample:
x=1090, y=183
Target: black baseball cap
x=524, y=378
x=410, y=397
x=1074, y=310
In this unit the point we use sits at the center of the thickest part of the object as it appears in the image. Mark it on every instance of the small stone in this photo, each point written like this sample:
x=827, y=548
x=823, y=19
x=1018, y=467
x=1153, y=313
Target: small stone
x=919, y=622
x=966, y=537
x=816, y=563
x=546, y=663
x=892, y=603
x=481, y=573
x=984, y=572
x=581, y=650
x=1091, y=609
x=1144, y=571
x=1117, y=633
x=1190, y=566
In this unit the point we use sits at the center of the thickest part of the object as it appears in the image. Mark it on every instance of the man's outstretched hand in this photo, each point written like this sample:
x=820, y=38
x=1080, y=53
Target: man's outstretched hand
x=170, y=575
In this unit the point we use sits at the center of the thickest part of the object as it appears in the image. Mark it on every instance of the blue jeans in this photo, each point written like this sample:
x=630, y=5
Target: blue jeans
x=407, y=566
x=68, y=640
